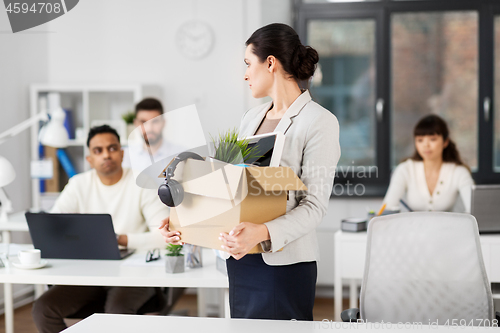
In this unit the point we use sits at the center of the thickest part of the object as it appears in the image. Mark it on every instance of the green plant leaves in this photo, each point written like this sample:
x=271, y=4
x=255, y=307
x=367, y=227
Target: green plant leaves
x=231, y=150
x=174, y=250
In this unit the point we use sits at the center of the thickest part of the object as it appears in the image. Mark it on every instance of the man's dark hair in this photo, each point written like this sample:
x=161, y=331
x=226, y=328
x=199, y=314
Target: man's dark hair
x=149, y=104
x=100, y=130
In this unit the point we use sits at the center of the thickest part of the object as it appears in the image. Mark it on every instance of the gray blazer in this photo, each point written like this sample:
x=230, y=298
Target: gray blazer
x=312, y=151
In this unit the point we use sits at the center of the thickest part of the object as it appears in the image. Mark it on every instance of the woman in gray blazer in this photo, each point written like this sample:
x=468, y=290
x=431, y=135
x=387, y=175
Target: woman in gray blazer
x=280, y=283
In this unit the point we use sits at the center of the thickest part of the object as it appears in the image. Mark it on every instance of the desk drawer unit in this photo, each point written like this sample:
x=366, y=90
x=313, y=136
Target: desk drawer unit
x=353, y=256
x=490, y=246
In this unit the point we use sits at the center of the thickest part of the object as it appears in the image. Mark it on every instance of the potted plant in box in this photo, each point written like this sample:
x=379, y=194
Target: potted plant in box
x=230, y=149
x=174, y=262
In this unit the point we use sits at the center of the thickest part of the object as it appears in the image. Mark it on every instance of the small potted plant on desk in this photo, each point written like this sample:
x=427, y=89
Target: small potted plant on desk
x=174, y=262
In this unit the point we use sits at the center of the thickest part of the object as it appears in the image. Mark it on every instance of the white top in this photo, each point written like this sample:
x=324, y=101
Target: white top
x=138, y=158
x=135, y=211
x=409, y=179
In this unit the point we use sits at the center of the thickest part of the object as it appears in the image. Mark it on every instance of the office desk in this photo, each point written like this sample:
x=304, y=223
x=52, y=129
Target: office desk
x=104, y=323
x=349, y=263
x=111, y=273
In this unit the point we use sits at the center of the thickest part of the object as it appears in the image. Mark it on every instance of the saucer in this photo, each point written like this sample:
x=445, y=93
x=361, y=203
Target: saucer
x=41, y=264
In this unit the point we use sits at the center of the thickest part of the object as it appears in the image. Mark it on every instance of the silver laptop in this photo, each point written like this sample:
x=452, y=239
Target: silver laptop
x=485, y=207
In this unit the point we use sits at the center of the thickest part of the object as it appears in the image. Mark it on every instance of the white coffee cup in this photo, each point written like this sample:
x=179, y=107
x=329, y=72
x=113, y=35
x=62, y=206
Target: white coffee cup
x=29, y=257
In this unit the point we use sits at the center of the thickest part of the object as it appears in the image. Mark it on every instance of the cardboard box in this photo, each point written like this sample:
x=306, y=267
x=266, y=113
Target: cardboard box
x=218, y=196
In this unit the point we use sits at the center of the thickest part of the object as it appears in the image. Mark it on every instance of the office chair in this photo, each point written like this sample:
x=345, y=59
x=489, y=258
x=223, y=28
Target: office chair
x=424, y=267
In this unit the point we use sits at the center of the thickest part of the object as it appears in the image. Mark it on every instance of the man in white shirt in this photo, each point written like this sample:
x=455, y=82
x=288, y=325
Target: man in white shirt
x=152, y=146
x=136, y=213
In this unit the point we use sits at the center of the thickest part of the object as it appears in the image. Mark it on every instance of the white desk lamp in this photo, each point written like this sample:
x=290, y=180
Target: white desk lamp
x=53, y=134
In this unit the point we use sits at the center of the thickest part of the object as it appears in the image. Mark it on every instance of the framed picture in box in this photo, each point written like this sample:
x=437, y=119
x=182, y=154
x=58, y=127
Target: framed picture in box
x=270, y=148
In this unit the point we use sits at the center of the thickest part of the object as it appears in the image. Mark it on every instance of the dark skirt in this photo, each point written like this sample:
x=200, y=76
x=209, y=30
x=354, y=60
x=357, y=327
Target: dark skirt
x=261, y=291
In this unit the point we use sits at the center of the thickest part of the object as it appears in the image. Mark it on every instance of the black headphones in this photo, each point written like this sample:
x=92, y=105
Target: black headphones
x=171, y=192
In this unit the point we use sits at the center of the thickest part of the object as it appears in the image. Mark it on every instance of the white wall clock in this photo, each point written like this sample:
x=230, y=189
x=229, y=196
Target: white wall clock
x=195, y=39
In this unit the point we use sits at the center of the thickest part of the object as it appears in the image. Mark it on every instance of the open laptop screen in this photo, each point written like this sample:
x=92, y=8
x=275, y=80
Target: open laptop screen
x=485, y=207
x=74, y=236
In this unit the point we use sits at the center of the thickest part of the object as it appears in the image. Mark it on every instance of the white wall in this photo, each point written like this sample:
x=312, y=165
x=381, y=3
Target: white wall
x=118, y=41
x=276, y=11
x=23, y=61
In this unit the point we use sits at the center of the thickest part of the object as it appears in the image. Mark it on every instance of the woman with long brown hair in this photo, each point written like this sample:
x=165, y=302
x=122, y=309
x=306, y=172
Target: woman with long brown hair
x=435, y=175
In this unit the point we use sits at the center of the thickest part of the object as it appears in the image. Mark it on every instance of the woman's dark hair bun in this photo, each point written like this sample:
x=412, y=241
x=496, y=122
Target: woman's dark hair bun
x=304, y=62
x=282, y=42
